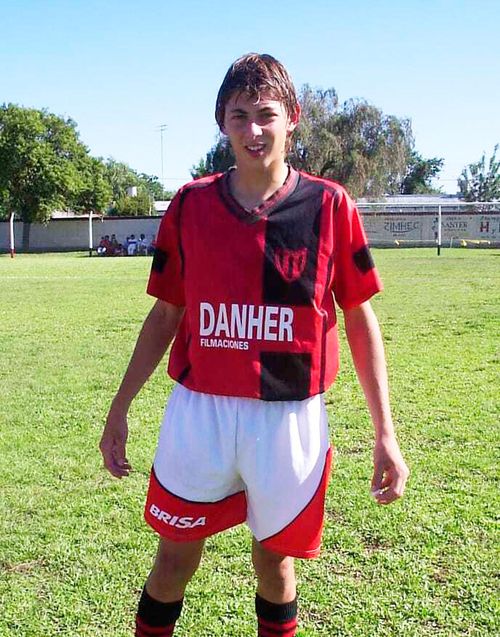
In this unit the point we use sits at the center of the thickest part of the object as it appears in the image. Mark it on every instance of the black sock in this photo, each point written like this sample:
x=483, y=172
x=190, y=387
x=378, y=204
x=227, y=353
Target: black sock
x=276, y=619
x=153, y=615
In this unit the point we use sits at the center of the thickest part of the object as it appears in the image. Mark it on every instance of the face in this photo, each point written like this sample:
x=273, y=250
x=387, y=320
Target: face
x=258, y=129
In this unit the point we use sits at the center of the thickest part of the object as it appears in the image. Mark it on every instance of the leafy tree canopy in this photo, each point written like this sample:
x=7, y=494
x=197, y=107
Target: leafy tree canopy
x=355, y=143
x=480, y=181
x=155, y=188
x=419, y=175
x=94, y=192
x=120, y=177
x=219, y=158
x=149, y=189
x=43, y=164
x=45, y=167
x=141, y=204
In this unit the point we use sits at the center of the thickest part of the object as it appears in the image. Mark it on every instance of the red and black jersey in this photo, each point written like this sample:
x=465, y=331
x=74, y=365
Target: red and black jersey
x=257, y=285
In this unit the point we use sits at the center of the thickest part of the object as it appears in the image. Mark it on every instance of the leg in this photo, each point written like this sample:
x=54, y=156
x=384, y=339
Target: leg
x=275, y=602
x=275, y=575
x=161, y=600
x=175, y=564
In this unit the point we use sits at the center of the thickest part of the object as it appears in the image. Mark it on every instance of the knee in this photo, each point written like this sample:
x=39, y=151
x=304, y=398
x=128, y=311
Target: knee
x=176, y=562
x=172, y=565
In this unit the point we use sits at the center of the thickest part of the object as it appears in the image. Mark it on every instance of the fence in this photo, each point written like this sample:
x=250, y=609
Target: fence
x=441, y=225
x=73, y=233
x=387, y=225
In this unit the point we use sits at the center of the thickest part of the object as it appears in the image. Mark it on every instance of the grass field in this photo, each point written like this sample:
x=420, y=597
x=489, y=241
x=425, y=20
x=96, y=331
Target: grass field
x=74, y=551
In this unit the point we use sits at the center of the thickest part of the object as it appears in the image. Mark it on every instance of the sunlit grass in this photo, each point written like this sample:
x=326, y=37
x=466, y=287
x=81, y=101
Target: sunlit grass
x=74, y=551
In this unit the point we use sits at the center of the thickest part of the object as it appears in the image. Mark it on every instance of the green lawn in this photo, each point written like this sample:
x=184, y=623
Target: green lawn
x=74, y=551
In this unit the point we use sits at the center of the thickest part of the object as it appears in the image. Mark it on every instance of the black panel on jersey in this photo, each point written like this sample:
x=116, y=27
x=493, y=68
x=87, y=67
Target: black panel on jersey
x=291, y=252
x=285, y=376
x=160, y=258
x=363, y=259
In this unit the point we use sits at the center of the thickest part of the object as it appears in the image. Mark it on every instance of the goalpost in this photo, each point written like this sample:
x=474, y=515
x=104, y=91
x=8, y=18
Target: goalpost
x=11, y=236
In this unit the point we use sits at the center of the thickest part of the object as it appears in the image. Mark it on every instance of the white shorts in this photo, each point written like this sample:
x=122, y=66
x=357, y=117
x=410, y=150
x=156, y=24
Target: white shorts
x=224, y=460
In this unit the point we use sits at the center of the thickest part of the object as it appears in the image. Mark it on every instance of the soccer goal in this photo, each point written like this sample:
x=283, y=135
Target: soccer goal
x=456, y=224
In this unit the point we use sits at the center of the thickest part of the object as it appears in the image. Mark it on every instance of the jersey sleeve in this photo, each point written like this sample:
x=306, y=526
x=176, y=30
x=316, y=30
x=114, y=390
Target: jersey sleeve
x=355, y=277
x=166, y=277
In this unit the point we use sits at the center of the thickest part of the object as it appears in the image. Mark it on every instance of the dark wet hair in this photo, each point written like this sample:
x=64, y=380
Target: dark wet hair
x=256, y=73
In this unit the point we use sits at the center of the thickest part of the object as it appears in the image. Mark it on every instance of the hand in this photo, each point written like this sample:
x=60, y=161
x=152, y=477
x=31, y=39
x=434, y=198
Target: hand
x=113, y=444
x=390, y=472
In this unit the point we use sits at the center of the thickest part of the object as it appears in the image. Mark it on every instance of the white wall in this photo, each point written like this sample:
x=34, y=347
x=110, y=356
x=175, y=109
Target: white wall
x=73, y=233
x=382, y=229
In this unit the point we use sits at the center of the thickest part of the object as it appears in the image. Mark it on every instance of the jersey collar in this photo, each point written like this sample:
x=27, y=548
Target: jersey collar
x=266, y=207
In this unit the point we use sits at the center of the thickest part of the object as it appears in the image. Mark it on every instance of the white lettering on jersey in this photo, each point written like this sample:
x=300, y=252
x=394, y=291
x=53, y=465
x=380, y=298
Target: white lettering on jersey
x=238, y=320
x=224, y=343
x=222, y=322
x=270, y=323
x=245, y=322
x=285, y=324
x=255, y=321
x=184, y=522
x=207, y=319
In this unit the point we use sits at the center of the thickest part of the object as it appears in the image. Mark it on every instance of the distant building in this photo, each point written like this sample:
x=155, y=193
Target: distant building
x=161, y=207
x=418, y=200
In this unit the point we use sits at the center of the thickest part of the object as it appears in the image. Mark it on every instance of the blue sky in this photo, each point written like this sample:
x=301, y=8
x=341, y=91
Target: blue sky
x=120, y=69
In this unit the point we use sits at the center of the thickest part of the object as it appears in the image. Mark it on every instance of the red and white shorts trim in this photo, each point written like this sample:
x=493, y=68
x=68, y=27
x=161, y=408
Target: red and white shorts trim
x=224, y=460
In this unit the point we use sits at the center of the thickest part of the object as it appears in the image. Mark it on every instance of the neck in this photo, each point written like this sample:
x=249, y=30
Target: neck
x=251, y=188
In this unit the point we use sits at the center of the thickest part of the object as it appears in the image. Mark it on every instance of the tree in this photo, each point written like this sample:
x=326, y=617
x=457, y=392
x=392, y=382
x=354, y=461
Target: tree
x=479, y=182
x=94, y=192
x=315, y=142
x=43, y=165
x=120, y=177
x=419, y=175
x=139, y=205
x=218, y=159
x=155, y=188
x=353, y=143
x=4, y=204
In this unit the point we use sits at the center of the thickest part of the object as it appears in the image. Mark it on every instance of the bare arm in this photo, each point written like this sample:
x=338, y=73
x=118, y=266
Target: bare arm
x=365, y=341
x=156, y=334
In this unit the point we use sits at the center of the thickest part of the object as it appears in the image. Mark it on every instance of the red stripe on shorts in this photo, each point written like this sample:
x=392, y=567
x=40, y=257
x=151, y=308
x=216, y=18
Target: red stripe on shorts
x=302, y=537
x=183, y=520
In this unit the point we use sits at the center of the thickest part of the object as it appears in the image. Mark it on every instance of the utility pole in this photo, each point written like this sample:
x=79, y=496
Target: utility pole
x=161, y=128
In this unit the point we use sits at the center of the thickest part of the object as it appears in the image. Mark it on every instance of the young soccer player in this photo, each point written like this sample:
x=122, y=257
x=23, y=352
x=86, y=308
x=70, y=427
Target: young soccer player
x=246, y=270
